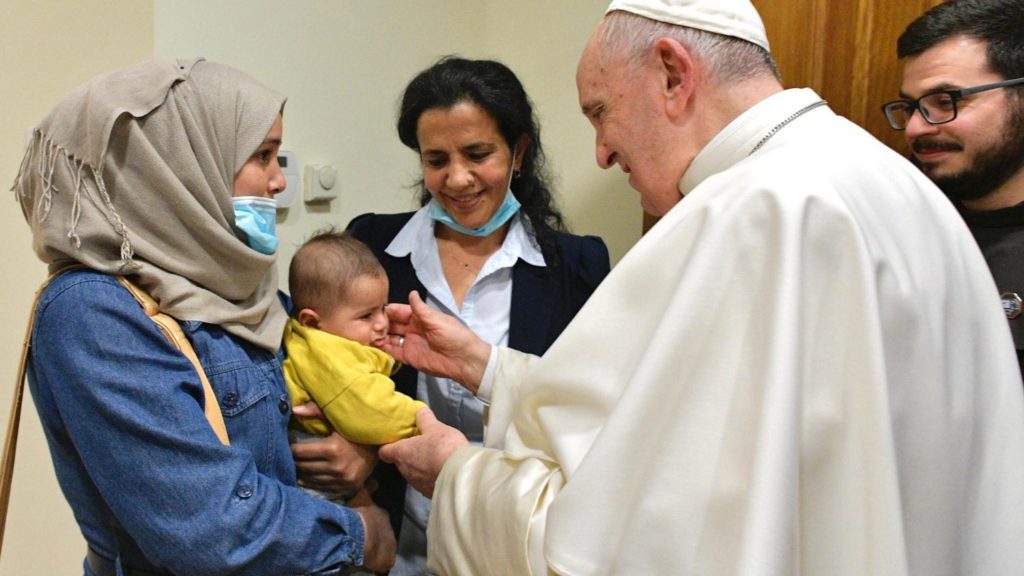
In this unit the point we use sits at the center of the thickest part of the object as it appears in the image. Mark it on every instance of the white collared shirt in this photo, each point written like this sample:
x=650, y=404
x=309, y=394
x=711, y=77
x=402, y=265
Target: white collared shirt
x=486, y=310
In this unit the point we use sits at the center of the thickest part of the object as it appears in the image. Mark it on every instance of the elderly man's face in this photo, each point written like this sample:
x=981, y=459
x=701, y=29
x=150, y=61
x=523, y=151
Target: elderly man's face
x=623, y=111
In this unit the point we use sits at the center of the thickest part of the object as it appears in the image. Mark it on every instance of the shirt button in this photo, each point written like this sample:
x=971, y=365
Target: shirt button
x=243, y=491
x=230, y=399
x=283, y=404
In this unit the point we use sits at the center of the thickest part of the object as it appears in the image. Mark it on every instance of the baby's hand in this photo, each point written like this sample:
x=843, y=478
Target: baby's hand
x=310, y=410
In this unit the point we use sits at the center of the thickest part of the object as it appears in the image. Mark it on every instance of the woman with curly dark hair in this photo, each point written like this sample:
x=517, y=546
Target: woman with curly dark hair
x=487, y=246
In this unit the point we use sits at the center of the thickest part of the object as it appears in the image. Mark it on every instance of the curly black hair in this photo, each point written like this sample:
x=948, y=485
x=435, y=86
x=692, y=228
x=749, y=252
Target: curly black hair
x=496, y=89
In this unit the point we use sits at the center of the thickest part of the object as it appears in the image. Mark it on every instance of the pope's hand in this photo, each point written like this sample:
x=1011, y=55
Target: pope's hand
x=434, y=342
x=420, y=458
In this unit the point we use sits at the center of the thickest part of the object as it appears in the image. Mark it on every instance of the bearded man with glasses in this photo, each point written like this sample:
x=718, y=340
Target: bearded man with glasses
x=962, y=112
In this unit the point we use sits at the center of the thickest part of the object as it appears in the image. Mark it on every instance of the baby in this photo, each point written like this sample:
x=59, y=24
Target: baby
x=339, y=291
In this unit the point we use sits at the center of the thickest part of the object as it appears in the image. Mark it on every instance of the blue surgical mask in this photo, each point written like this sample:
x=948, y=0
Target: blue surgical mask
x=257, y=217
x=503, y=214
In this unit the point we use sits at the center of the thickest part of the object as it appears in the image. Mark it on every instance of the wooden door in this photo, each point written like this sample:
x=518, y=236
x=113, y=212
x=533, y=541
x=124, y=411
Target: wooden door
x=846, y=51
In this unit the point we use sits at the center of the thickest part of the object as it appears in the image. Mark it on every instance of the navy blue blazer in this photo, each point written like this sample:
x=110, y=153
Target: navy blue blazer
x=544, y=301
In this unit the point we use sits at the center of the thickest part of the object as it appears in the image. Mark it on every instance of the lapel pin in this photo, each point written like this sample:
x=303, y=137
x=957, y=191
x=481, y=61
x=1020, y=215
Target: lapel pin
x=1012, y=304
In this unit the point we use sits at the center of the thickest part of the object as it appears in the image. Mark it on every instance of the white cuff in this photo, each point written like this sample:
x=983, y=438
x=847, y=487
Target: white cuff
x=483, y=392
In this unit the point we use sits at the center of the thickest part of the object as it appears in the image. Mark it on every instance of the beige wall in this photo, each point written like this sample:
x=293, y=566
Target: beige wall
x=541, y=41
x=343, y=64
x=47, y=47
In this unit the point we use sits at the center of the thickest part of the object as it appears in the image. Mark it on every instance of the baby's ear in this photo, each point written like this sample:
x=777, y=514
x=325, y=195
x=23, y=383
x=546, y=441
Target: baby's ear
x=309, y=318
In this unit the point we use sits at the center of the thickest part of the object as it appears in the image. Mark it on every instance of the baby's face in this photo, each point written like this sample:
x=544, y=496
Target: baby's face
x=360, y=316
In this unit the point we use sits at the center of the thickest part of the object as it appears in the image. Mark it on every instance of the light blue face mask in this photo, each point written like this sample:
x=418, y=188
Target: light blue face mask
x=503, y=214
x=257, y=217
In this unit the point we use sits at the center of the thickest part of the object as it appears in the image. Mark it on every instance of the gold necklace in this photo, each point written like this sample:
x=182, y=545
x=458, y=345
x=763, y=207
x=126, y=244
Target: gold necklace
x=467, y=267
x=447, y=249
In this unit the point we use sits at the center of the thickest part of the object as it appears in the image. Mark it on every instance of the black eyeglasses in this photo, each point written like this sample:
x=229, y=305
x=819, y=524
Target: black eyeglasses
x=937, y=107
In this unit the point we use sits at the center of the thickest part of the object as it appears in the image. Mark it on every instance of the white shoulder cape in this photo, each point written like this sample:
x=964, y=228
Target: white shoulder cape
x=803, y=369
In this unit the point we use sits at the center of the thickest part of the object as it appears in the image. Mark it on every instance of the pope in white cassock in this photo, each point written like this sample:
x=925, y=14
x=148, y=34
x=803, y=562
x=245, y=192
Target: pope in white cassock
x=802, y=369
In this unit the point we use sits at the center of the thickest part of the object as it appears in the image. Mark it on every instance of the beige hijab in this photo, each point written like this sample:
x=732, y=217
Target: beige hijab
x=132, y=174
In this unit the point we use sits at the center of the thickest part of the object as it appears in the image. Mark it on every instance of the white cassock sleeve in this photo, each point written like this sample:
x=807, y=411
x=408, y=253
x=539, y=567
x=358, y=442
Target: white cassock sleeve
x=787, y=375
x=523, y=491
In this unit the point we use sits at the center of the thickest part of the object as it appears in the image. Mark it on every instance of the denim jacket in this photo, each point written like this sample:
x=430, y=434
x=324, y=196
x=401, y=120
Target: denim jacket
x=148, y=481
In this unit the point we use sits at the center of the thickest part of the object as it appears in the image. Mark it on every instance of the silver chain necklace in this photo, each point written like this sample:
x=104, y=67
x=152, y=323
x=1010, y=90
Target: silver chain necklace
x=782, y=124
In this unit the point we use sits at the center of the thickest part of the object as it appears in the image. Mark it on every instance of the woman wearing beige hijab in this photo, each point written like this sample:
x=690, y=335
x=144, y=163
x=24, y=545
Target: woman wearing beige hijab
x=165, y=174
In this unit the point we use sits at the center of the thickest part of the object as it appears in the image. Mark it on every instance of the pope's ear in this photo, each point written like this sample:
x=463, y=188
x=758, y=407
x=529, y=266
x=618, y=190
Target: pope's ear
x=677, y=70
x=309, y=318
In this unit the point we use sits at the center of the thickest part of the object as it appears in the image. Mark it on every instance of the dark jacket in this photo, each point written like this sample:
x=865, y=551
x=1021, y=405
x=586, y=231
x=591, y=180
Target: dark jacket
x=1000, y=235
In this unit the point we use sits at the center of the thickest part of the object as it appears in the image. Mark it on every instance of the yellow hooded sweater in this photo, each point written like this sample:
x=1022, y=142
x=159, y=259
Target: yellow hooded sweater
x=350, y=383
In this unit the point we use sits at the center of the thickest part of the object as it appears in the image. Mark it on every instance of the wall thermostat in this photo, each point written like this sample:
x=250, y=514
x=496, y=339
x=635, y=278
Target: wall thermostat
x=319, y=181
x=290, y=169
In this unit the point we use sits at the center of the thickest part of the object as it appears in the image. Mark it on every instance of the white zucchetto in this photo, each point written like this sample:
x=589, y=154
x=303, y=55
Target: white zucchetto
x=736, y=18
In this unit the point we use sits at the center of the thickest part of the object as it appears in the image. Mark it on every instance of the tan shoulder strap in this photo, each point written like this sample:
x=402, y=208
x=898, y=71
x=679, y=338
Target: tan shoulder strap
x=170, y=329
x=11, y=441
